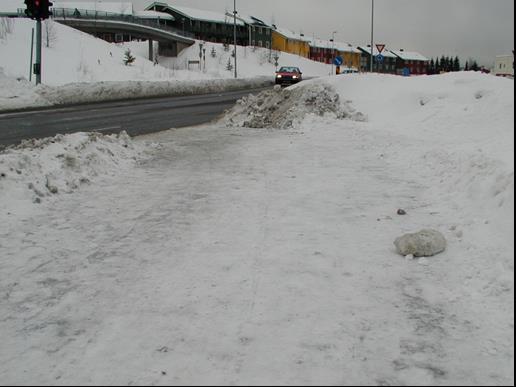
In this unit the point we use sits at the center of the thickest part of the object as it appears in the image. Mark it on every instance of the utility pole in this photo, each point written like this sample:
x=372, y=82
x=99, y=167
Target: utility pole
x=333, y=50
x=372, y=36
x=235, y=36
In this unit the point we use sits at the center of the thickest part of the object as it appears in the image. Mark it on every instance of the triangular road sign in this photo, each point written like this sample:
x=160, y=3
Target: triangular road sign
x=380, y=47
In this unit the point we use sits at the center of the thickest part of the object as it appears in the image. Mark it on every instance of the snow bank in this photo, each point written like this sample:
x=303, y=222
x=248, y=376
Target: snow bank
x=287, y=108
x=109, y=91
x=38, y=169
x=461, y=130
x=20, y=94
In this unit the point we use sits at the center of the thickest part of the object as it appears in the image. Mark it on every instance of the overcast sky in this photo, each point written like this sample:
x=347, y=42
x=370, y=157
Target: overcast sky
x=468, y=28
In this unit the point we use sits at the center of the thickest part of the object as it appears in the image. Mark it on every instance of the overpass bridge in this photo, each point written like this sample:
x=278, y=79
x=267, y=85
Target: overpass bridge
x=153, y=28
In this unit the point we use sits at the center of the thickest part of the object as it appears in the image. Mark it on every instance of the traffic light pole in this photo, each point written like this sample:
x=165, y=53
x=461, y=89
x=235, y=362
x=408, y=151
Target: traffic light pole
x=37, y=64
x=31, y=56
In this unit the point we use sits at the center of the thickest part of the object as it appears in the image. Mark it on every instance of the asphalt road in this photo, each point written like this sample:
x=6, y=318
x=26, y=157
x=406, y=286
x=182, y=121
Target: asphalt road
x=136, y=116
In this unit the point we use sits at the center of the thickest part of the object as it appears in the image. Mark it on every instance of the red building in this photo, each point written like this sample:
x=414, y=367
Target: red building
x=410, y=63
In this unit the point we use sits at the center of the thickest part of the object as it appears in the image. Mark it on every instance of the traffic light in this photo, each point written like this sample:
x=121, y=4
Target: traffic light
x=45, y=12
x=31, y=9
x=38, y=9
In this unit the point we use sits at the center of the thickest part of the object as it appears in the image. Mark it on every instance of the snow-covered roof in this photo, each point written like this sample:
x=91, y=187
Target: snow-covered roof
x=121, y=8
x=291, y=35
x=196, y=14
x=339, y=46
x=346, y=47
x=386, y=53
x=410, y=55
x=153, y=15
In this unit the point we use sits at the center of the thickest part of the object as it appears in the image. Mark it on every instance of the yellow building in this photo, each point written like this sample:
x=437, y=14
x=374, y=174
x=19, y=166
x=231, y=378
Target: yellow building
x=289, y=42
x=350, y=54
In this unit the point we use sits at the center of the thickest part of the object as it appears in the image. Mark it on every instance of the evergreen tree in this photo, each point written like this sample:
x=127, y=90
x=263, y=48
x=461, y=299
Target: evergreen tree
x=431, y=68
x=443, y=64
x=128, y=58
x=475, y=66
x=437, y=67
x=456, y=64
x=466, y=67
x=229, y=65
x=447, y=66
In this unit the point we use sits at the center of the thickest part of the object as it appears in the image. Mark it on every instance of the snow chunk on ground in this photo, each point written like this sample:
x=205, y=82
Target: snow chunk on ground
x=425, y=243
x=286, y=108
x=41, y=168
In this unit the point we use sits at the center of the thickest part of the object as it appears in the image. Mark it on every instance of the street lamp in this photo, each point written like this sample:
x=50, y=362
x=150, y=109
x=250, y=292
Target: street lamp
x=333, y=49
x=235, y=36
x=372, y=35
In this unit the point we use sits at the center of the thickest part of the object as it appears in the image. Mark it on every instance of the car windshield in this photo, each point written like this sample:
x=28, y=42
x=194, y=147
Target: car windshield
x=289, y=70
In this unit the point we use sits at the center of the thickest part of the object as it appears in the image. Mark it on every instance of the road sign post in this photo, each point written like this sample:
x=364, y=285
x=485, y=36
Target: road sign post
x=338, y=61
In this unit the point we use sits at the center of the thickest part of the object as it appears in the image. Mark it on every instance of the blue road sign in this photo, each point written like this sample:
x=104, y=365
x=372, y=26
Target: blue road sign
x=338, y=61
x=380, y=58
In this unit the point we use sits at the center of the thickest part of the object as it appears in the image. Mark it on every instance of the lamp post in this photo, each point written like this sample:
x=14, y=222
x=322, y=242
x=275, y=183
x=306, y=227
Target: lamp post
x=235, y=36
x=372, y=35
x=333, y=49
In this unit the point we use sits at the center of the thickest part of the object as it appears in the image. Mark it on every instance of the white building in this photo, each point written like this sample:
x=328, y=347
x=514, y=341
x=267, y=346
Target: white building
x=504, y=66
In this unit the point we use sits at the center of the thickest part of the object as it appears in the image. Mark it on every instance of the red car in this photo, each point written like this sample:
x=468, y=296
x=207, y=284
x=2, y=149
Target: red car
x=288, y=76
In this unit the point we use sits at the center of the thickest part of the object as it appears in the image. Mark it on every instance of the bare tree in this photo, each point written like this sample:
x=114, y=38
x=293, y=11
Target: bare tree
x=50, y=33
x=6, y=27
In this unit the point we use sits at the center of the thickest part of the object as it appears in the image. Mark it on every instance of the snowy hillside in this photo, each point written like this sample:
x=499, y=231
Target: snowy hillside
x=73, y=56
x=239, y=253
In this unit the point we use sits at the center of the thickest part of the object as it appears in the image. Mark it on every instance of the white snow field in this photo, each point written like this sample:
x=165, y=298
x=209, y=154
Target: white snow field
x=228, y=255
x=78, y=68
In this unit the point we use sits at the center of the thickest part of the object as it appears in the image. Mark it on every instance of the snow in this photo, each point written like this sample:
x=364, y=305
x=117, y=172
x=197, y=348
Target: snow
x=286, y=108
x=200, y=14
x=153, y=15
x=410, y=55
x=340, y=46
x=264, y=256
x=291, y=34
x=40, y=168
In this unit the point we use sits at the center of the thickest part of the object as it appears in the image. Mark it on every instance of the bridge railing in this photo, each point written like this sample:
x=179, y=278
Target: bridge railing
x=85, y=14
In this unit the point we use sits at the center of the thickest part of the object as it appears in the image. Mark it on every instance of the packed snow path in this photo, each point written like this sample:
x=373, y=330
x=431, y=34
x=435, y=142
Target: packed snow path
x=249, y=256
